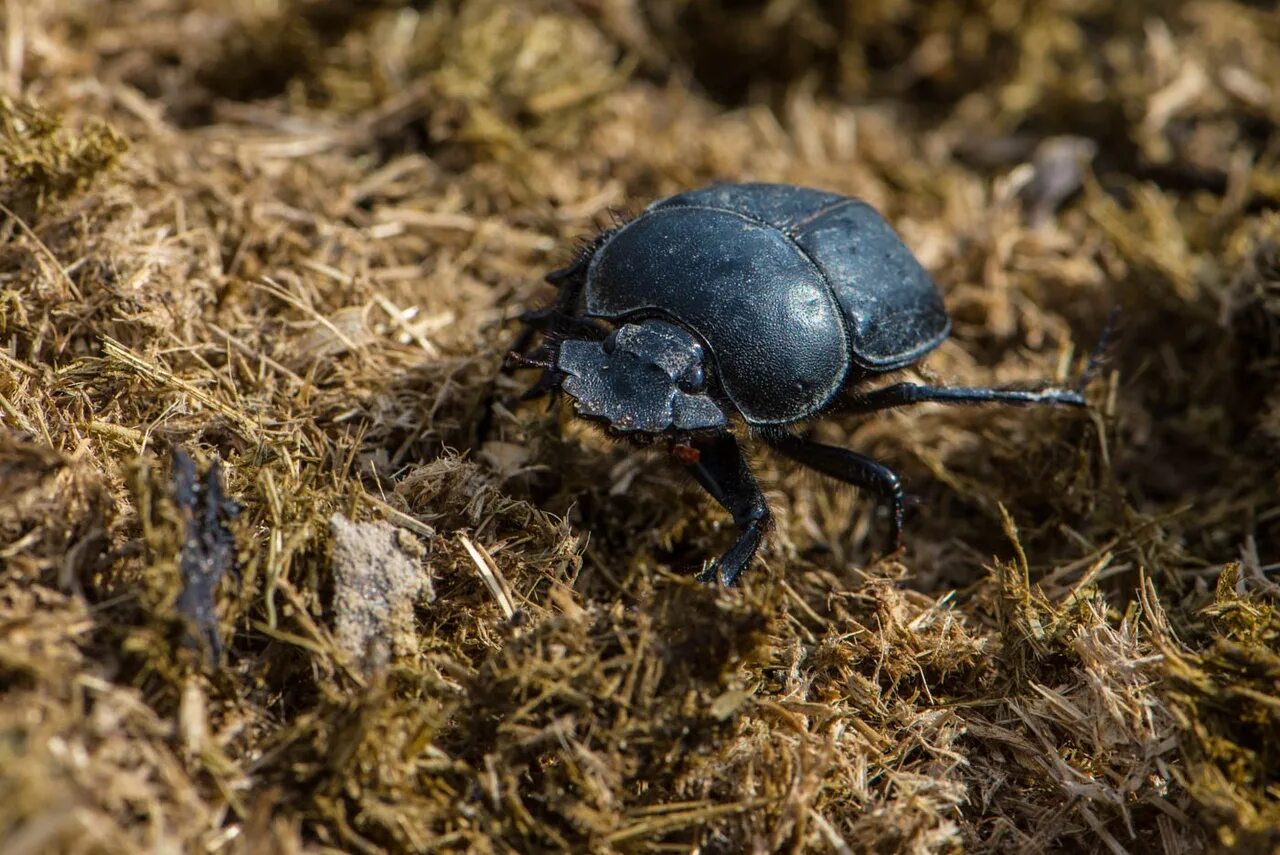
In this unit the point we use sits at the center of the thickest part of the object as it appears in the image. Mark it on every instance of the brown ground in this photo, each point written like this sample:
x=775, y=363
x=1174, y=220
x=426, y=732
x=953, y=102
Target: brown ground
x=287, y=235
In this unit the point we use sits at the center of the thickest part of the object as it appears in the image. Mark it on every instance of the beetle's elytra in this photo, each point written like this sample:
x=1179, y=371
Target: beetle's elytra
x=764, y=304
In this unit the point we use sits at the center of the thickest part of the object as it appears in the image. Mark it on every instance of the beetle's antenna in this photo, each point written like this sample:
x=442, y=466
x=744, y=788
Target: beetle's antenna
x=1098, y=357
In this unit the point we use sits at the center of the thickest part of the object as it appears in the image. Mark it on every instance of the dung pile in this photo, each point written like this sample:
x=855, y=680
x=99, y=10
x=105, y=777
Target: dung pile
x=286, y=239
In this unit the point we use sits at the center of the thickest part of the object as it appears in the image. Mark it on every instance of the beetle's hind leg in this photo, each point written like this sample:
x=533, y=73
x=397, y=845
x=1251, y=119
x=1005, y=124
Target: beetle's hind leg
x=722, y=470
x=849, y=467
x=902, y=394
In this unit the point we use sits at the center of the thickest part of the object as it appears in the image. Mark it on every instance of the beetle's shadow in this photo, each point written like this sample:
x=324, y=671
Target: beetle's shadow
x=632, y=499
x=640, y=505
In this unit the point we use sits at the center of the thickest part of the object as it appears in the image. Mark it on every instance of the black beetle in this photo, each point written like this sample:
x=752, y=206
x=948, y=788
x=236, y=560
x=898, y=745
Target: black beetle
x=768, y=301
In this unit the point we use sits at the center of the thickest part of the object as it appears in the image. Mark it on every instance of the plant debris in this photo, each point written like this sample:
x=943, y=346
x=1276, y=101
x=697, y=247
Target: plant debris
x=291, y=238
x=208, y=548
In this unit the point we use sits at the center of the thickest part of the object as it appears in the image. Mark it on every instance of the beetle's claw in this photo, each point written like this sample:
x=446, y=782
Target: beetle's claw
x=897, y=545
x=709, y=574
x=895, y=532
x=1098, y=358
x=716, y=573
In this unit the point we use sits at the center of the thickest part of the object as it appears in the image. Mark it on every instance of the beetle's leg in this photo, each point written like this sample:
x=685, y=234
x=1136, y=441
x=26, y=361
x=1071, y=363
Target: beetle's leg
x=901, y=394
x=570, y=280
x=847, y=466
x=545, y=354
x=574, y=270
x=547, y=383
x=1099, y=356
x=722, y=471
x=542, y=356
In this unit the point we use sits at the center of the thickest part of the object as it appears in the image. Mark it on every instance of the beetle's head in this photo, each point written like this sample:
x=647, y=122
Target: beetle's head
x=644, y=378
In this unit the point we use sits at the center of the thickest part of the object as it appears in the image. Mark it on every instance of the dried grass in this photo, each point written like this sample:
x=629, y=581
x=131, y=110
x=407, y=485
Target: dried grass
x=299, y=265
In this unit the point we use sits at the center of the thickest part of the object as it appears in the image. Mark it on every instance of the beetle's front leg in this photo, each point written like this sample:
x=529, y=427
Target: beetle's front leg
x=557, y=322
x=722, y=470
x=570, y=282
x=554, y=320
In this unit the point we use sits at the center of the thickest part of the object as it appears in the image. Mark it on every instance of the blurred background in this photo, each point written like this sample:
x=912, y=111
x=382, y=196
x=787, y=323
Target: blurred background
x=290, y=237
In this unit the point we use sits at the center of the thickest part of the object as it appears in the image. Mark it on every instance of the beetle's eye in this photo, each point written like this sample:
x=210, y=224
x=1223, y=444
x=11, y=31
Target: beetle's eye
x=694, y=380
x=610, y=342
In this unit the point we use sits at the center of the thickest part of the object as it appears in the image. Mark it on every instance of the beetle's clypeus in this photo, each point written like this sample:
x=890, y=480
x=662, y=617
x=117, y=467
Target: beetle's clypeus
x=766, y=304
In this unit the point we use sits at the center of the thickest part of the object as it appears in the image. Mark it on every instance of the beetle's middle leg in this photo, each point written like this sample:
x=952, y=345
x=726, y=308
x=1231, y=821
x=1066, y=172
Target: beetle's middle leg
x=722, y=471
x=847, y=466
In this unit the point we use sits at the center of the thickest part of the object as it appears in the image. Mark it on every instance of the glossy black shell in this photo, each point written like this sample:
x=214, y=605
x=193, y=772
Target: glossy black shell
x=792, y=289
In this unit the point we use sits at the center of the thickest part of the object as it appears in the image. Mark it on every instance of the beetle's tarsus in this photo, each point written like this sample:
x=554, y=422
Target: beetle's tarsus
x=555, y=317
x=709, y=573
x=1098, y=357
x=902, y=394
x=895, y=526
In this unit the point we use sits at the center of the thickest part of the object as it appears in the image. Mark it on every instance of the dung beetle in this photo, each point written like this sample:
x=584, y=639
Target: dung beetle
x=767, y=304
